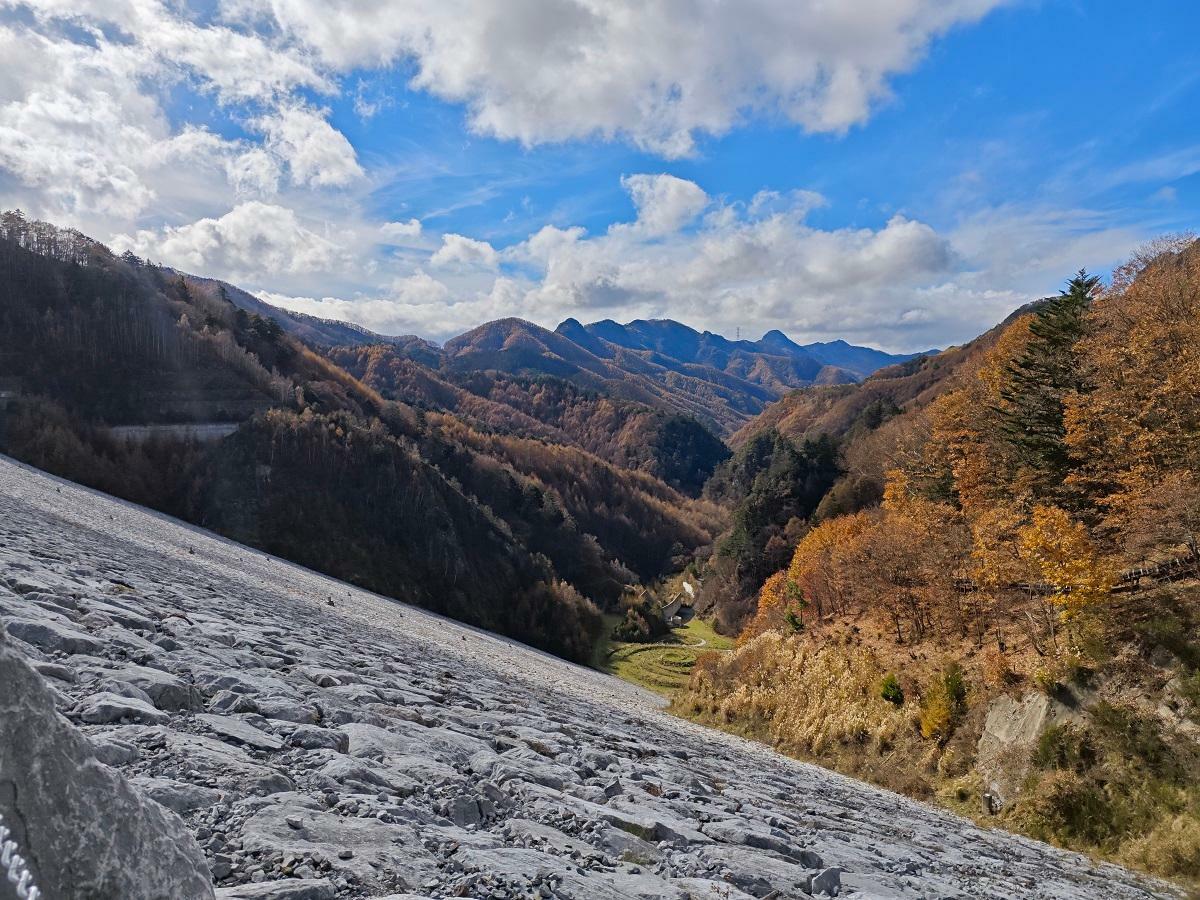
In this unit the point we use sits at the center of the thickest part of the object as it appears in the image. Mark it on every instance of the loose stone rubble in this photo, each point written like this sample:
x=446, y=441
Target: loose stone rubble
x=321, y=742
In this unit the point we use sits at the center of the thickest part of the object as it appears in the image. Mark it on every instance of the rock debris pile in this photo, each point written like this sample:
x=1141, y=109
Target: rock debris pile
x=320, y=742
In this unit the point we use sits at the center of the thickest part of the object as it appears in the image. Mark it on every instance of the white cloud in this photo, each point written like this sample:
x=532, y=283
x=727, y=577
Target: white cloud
x=73, y=127
x=664, y=203
x=400, y=230
x=317, y=154
x=654, y=71
x=85, y=137
x=902, y=284
x=252, y=241
x=457, y=250
x=233, y=64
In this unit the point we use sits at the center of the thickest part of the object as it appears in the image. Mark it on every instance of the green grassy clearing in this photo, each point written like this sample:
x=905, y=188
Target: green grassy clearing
x=665, y=667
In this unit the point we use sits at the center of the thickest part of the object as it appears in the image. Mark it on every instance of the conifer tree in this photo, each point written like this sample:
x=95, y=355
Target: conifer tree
x=1038, y=381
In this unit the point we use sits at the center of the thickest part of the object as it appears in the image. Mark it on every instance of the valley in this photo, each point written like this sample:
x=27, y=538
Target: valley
x=320, y=741
x=968, y=577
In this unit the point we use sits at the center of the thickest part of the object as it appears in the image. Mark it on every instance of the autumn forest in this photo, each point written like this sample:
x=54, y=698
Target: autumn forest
x=909, y=557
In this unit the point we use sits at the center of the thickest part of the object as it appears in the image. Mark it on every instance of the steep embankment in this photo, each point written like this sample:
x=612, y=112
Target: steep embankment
x=352, y=746
x=1013, y=629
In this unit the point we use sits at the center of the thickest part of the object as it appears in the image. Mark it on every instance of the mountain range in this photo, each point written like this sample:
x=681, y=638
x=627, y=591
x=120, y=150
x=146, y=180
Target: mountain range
x=888, y=533
x=658, y=362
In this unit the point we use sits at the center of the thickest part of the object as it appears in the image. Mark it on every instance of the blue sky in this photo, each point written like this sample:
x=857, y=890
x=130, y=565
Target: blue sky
x=1042, y=102
x=900, y=173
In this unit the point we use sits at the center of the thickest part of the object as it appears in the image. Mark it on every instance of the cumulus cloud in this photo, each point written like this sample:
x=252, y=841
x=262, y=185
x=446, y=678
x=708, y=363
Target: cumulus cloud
x=400, y=230
x=251, y=241
x=85, y=135
x=317, y=154
x=87, y=138
x=457, y=250
x=664, y=203
x=654, y=71
x=742, y=266
x=749, y=265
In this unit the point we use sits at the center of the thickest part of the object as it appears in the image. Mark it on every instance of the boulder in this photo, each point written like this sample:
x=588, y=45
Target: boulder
x=288, y=889
x=72, y=816
x=52, y=636
x=310, y=737
x=241, y=732
x=1010, y=734
x=827, y=881
x=178, y=796
x=166, y=691
x=106, y=707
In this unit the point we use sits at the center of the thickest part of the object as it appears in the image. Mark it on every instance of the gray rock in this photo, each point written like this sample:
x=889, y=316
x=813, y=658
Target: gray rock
x=106, y=707
x=378, y=847
x=57, y=671
x=230, y=702
x=112, y=751
x=739, y=832
x=74, y=817
x=166, y=691
x=1010, y=732
x=52, y=636
x=366, y=777
x=240, y=731
x=289, y=889
x=124, y=689
x=310, y=737
x=829, y=882
x=286, y=710
x=178, y=796
x=464, y=811
x=217, y=762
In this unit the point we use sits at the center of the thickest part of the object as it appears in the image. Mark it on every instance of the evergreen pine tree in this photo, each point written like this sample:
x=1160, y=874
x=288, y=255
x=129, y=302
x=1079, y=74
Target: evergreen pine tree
x=1037, y=383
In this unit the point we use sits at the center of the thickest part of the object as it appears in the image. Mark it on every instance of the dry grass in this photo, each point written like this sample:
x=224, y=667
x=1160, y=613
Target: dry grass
x=1121, y=786
x=805, y=699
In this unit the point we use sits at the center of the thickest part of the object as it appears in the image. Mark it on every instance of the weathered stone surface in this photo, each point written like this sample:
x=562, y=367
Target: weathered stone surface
x=114, y=752
x=106, y=707
x=178, y=796
x=289, y=889
x=52, y=636
x=84, y=831
x=385, y=855
x=828, y=881
x=166, y=691
x=1010, y=733
x=240, y=732
x=368, y=749
x=310, y=737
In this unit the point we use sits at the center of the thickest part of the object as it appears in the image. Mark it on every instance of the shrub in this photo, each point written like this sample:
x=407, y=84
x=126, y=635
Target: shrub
x=944, y=704
x=1189, y=688
x=1065, y=746
x=1170, y=631
x=1071, y=810
x=1171, y=849
x=996, y=669
x=642, y=624
x=890, y=690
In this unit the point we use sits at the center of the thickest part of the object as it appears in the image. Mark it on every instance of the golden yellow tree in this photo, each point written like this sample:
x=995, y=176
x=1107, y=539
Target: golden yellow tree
x=1136, y=432
x=1064, y=555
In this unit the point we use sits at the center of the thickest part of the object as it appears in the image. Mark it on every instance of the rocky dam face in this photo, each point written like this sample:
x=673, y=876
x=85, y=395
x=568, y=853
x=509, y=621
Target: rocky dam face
x=184, y=717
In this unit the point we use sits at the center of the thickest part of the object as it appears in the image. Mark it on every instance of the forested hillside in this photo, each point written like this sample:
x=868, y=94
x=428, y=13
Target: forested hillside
x=509, y=533
x=972, y=577
x=1013, y=628
x=672, y=447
